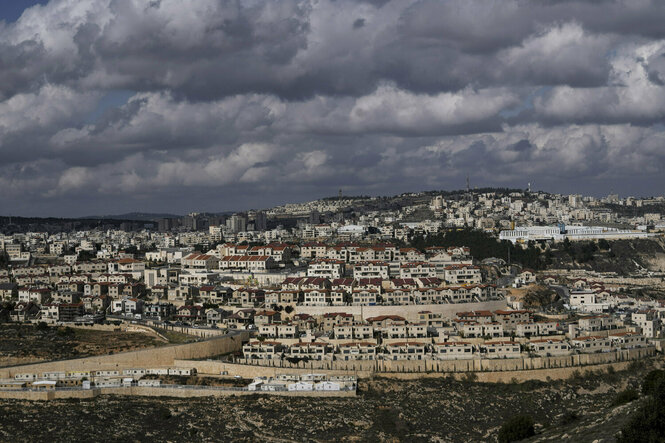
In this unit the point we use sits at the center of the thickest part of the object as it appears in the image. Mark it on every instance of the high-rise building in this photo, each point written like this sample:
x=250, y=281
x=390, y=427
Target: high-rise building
x=236, y=223
x=261, y=221
x=574, y=200
x=164, y=224
x=189, y=222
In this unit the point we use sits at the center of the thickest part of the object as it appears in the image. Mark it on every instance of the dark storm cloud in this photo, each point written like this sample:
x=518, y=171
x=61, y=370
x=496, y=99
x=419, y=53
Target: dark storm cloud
x=358, y=23
x=271, y=101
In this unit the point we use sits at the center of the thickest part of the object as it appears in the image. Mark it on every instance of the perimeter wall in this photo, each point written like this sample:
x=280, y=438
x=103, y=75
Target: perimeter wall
x=144, y=358
x=423, y=368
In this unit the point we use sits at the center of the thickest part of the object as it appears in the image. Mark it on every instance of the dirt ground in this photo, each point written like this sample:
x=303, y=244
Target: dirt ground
x=427, y=410
x=20, y=344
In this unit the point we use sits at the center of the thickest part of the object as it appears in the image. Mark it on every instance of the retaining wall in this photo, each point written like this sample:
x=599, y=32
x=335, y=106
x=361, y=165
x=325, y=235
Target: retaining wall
x=419, y=367
x=27, y=395
x=186, y=393
x=125, y=327
x=197, y=332
x=159, y=392
x=161, y=356
x=410, y=312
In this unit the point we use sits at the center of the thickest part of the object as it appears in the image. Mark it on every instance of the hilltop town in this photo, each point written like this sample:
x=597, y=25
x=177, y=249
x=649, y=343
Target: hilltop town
x=313, y=299
x=332, y=220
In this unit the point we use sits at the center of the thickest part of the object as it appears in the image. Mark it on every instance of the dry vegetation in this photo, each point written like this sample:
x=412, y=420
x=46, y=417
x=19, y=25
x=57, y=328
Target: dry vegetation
x=439, y=409
x=20, y=344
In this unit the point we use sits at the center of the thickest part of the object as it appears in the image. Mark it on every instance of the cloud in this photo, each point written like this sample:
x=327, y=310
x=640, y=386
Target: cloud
x=243, y=104
x=561, y=54
x=631, y=94
x=74, y=179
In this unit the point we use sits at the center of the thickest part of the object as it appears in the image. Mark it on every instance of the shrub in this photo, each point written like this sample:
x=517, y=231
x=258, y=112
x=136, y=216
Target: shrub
x=65, y=331
x=603, y=244
x=576, y=375
x=568, y=417
x=516, y=428
x=625, y=396
x=651, y=380
x=470, y=377
x=636, y=365
x=647, y=424
x=42, y=326
x=389, y=420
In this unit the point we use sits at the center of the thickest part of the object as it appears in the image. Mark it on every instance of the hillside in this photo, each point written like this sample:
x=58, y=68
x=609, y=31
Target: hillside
x=437, y=409
x=621, y=256
x=21, y=344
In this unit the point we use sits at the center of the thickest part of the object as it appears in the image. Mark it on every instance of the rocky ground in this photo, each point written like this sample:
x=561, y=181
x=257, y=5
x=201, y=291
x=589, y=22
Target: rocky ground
x=441, y=409
x=625, y=257
x=200, y=380
x=21, y=344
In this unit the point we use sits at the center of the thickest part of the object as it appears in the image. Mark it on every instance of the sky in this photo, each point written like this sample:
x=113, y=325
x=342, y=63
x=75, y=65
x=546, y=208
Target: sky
x=113, y=106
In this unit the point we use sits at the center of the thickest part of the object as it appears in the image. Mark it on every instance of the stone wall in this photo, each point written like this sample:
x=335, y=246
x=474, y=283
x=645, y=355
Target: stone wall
x=186, y=393
x=410, y=312
x=153, y=357
x=420, y=367
x=197, y=332
x=27, y=395
x=178, y=392
x=538, y=374
x=124, y=327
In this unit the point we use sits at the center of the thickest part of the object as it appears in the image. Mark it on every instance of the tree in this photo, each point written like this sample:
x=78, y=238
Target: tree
x=86, y=255
x=131, y=249
x=41, y=326
x=647, y=424
x=484, y=245
x=516, y=428
x=651, y=381
x=625, y=396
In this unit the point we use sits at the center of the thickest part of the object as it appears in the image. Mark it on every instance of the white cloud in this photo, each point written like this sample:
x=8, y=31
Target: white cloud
x=561, y=53
x=50, y=107
x=389, y=109
x=299, y=96
x=630, y=95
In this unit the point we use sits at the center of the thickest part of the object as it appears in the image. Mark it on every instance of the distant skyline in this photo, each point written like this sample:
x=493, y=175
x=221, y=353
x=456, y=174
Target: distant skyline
x=117, y=106
x=248, y=208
